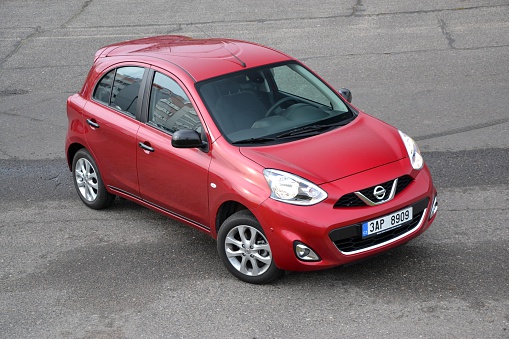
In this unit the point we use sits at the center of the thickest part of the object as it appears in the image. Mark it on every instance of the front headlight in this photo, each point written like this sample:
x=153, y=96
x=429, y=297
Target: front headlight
x=414, y=154
x=292, y=189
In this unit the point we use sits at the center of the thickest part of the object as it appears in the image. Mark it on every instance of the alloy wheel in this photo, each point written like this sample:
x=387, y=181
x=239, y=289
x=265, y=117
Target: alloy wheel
x=247, y=250
x=86, y=179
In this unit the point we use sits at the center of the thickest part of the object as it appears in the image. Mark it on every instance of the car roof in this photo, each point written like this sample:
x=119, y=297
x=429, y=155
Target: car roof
x=200, y=58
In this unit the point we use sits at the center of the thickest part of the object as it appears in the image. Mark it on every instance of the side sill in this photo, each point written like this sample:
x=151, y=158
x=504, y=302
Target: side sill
x=158, y=208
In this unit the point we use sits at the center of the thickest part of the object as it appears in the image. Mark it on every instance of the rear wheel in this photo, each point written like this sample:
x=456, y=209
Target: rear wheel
x=88, y=181
x=245, y=251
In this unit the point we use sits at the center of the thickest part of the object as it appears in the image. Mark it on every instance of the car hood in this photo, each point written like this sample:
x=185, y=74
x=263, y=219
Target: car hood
x=363, y=144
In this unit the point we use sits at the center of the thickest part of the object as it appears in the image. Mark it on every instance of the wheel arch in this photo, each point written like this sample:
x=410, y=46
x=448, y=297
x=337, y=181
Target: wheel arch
x=71, y=151
x=226, y=209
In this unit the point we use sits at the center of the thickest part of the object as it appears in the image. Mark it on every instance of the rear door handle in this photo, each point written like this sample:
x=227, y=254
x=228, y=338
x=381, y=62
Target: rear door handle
x=92, y=123
x=145, y=147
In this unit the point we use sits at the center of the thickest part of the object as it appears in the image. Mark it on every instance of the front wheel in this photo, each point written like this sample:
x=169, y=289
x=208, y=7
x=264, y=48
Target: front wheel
x=245, y=251
x=88, y=181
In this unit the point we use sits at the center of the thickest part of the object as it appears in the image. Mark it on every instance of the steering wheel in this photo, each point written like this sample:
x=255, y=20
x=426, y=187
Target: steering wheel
x=276, y=105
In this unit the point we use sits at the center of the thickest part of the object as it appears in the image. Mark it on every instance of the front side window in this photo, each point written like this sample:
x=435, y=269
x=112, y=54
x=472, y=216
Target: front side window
x=170, y=109
x=273, y=104
x=119, y=89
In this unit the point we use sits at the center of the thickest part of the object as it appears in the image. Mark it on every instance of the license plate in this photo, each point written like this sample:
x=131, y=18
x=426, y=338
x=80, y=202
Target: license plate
x=383, y=224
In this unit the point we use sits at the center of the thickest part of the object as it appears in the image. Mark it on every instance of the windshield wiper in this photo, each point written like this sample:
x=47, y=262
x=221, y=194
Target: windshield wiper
x=308, y=130
x=311, y=129
x=253, y=141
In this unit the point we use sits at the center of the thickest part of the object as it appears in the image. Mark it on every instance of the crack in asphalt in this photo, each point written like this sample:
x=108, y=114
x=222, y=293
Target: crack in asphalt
x=427, y=11
x=37, y=30
x=356, y=10
x=21, y=116
x=446, y=33
x=82, y=9
x=304, y=59
x=59, y=67
x=463, y=129
x=475, y=209
x=16, y=91
x=55, y=179
x=23, y=108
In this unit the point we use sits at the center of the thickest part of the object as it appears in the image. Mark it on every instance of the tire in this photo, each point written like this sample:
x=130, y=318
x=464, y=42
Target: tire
x=245, y=251
x=88, y=182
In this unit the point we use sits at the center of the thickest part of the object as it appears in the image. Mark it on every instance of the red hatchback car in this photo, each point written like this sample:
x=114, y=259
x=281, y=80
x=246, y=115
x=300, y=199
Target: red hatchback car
x=247, y=144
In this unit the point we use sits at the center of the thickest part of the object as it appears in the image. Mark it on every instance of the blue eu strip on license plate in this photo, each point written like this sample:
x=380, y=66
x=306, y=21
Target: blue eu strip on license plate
x=380, y=225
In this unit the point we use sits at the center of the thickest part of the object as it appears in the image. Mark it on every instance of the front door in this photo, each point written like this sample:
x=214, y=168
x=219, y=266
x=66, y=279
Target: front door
x=173, y=179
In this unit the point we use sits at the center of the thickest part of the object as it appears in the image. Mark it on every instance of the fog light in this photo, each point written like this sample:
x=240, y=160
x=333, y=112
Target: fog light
x=305, y=253
x=434, y=207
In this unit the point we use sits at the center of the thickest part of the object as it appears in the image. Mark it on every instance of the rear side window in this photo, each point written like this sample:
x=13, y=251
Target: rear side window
x=102, y=92
x=119, y=89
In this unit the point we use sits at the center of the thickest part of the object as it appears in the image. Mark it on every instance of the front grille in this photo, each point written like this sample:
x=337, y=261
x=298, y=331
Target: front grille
x=368, y=192
x=349, y=238
x=349, y=200
x=352, y=199
x=403, y=182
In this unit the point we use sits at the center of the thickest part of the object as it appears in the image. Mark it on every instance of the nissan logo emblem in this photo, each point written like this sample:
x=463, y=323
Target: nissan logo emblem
x=379, y=192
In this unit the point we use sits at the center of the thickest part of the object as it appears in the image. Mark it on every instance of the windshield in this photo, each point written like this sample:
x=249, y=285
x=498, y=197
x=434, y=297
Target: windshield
x=273, y=104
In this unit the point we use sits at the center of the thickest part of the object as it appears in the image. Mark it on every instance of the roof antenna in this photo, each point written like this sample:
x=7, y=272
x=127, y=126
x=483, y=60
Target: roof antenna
x=242, y=63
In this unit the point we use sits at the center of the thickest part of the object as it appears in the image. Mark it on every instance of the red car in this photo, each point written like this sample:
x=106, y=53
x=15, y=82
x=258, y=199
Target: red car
x=248, y=145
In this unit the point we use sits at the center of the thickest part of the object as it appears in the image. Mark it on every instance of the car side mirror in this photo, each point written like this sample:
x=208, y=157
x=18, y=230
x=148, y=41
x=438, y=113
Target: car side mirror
x=187, y=138
x=345, y=92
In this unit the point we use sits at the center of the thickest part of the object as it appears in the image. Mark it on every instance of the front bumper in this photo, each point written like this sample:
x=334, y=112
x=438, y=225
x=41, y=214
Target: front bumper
x=334, y=233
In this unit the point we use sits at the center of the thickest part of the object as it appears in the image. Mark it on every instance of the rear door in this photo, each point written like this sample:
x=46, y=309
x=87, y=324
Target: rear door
x=170, y=178
x=112, y=125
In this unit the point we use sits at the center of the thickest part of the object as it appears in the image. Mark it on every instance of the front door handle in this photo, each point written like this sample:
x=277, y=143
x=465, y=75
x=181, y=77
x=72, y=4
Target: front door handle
x=92, y=123
x=145, y=147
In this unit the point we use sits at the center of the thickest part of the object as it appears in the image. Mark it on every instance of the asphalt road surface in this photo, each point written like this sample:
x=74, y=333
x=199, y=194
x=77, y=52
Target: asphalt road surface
x=438, y=70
